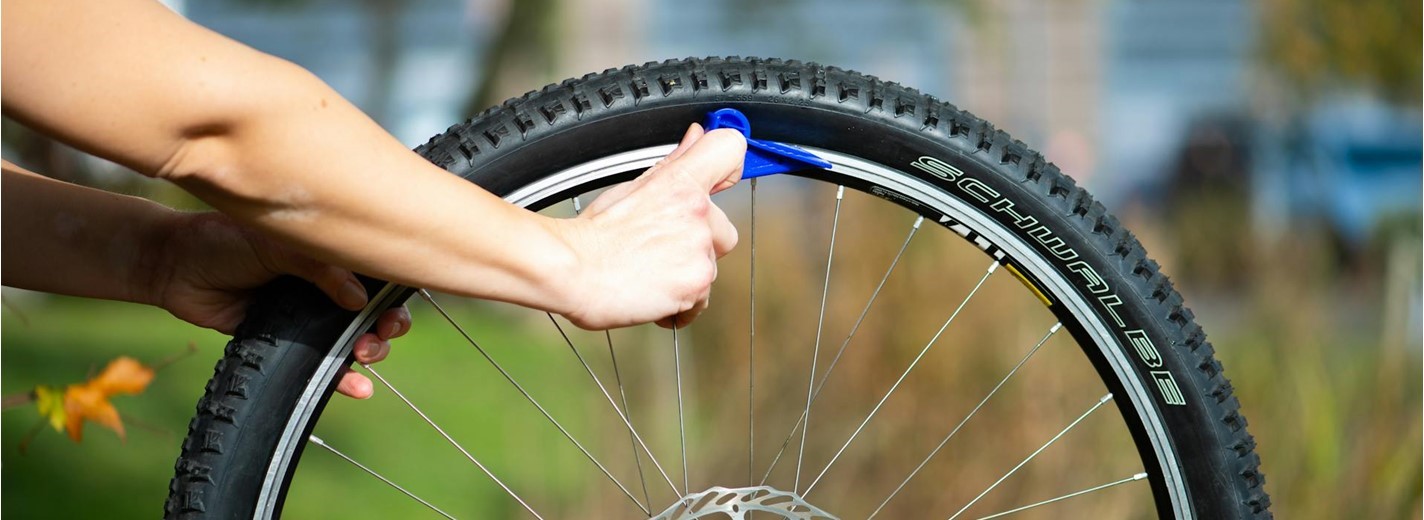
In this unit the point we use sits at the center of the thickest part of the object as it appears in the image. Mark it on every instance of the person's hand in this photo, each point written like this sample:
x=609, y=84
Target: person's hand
x=648, y=248
x=206, y=268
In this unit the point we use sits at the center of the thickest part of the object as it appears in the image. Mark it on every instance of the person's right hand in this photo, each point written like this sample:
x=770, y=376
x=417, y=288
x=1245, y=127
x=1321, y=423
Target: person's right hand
x=648, y=248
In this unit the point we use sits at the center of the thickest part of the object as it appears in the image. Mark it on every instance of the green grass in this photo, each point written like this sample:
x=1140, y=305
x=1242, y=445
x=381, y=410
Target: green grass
x=59, y=341
x=1332, y=393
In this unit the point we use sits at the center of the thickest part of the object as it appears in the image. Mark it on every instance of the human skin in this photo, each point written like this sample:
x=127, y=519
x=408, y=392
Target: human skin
x=80, y=241
x=290, y=162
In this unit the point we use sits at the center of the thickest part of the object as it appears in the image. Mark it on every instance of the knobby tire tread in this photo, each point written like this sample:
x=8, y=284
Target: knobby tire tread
x=231, y=414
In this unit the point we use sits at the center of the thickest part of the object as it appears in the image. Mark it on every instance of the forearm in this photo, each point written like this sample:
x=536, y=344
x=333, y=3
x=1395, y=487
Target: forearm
x=68, y=239
x=268, y=143
x=332, y=182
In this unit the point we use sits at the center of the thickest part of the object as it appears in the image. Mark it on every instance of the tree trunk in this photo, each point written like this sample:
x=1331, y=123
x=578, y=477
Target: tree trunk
x=522, y=56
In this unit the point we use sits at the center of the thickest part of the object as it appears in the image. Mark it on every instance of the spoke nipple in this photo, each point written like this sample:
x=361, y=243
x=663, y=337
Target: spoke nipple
x=993, y=267
x=578, y=205
x=1105, y=398
x=1055, y=327
x=1139, y=476
x=918, y=221
x=840, y=192
x=317, y=441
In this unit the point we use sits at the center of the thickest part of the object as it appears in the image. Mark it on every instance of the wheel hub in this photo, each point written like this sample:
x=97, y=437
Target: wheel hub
x=735, y=503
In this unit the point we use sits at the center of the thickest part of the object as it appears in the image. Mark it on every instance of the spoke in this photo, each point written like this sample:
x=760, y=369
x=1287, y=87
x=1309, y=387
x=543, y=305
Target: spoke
x=820, y=322
x=449, y=439
x=751, y=346
x=426, y=294
x=625, y=414
x=681, y=427
x=317, y=441
x=962, y=422
x=633, y=437
x=1035, y=453
x=836, y=360
x=1133, y=478
x=628, y=419
x=990, y=271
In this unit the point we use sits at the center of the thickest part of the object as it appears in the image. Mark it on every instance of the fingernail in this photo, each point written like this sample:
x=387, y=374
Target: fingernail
x=389, y=330
x=353, y=294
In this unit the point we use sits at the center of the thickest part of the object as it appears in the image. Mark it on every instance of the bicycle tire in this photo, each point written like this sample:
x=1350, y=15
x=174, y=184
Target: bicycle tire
x=257, y=387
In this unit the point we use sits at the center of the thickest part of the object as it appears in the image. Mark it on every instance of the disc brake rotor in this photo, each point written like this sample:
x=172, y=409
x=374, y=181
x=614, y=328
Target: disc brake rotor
x=720, y=502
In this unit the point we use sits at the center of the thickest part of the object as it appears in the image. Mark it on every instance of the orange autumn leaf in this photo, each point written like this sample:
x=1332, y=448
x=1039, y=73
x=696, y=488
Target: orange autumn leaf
x=123, y=376
x=85, y=402
x=90, y=400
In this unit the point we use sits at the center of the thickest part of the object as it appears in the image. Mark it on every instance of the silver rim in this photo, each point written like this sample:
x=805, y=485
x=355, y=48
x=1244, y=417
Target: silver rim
x=843, y=164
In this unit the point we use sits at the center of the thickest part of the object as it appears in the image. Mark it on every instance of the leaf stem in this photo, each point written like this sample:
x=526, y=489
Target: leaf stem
x=13, y=400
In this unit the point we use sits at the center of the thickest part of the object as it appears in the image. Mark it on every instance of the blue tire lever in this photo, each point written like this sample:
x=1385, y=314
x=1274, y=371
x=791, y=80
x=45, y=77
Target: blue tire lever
x=764, y=157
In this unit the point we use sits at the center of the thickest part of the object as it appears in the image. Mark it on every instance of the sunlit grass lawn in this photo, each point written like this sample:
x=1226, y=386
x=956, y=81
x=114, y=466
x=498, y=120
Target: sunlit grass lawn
x=58, y=341
x=1334, y=407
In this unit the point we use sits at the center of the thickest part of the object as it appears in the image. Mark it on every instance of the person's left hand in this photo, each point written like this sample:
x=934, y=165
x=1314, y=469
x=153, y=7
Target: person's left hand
x=207, y=268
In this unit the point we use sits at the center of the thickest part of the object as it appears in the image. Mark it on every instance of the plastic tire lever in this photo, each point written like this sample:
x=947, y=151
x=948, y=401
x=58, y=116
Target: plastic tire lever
x=764, y=157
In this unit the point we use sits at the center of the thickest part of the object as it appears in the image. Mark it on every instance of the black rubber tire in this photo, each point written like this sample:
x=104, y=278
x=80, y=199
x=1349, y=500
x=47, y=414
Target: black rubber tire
x=234, y=434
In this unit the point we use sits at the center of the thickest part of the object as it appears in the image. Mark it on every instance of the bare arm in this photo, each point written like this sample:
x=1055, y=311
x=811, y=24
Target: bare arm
x=66, y=239
x=268, y=143
x=73, y=240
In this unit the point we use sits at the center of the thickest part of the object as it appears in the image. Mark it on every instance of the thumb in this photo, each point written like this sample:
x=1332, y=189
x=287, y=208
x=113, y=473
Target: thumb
x=713, y=161
x=337, y=283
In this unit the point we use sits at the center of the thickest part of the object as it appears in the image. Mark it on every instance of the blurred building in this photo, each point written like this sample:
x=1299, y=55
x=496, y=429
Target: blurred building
x=409, y=64
x=1115, y=92
x=1106, y=88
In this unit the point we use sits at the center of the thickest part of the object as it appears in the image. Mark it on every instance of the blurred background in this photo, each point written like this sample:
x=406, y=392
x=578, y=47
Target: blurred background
x=1267, y=153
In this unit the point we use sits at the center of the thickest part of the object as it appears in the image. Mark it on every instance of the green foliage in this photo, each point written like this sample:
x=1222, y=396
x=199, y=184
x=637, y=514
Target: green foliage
x=1316, y=46
x=67, y=340
x=1330, y=388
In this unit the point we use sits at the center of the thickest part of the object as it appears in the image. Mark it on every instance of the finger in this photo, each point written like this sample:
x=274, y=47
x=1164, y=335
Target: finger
x=370, y=349
x=694, y=132
x=713, y=161
x=729, y=182
x=617, y=193
x=724, y=234
x=393, y=323
x=689, y=316
x=338, y=284
x=354, y=385
x=612, y=195
x=686, y=317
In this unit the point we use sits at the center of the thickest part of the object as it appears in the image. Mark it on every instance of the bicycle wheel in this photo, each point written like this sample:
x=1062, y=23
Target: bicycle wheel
x=894, y=151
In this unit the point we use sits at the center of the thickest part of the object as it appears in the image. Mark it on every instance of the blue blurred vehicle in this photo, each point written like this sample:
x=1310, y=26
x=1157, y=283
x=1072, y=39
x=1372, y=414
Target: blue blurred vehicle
x=1352, y=164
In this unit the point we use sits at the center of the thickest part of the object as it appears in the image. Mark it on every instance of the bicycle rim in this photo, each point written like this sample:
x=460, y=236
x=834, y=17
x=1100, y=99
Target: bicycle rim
x=971, y=191
x=847, y=170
